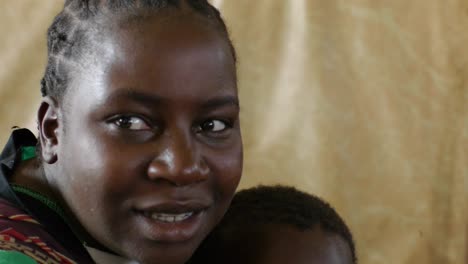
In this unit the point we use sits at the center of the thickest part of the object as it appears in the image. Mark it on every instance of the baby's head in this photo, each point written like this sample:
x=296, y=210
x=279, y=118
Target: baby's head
x=139, y=124
x=267, y=225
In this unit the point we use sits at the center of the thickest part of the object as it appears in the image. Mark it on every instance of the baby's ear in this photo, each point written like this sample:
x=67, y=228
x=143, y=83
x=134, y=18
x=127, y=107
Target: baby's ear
x=48, y=118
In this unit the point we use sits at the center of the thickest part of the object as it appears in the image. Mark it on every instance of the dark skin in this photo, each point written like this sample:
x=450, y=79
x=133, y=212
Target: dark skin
x=144, y=151
x=278, y=244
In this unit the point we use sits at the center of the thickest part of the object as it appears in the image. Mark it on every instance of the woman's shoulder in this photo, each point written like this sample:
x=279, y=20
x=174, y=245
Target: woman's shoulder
x=21, y=233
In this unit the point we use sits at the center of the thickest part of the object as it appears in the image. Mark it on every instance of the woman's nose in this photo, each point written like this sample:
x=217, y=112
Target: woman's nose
x=179, y=163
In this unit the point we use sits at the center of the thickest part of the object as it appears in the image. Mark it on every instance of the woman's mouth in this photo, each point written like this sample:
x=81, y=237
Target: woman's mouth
x=171, y=223
x=168, y=218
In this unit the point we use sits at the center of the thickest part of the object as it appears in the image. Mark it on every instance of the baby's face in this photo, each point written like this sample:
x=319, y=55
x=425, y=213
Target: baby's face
x=287, y=244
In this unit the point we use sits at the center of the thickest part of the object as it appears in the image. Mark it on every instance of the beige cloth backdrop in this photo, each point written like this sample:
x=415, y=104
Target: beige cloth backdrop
x=363, y=102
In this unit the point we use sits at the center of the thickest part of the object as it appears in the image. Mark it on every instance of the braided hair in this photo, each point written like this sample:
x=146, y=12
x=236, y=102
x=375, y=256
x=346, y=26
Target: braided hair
x=71, y=34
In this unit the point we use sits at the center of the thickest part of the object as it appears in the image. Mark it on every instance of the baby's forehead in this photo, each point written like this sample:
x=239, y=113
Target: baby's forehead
x=282, y=243
x=287, y=232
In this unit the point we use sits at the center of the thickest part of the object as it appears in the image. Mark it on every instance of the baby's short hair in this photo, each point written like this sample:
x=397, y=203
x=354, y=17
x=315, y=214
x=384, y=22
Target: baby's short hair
x=265, y=205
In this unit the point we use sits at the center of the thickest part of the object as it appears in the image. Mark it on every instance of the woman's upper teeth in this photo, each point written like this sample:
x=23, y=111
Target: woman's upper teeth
x=170, y=218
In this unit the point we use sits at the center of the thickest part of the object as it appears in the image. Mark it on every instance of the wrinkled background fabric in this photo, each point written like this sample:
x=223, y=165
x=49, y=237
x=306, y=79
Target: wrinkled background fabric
x=361, y=102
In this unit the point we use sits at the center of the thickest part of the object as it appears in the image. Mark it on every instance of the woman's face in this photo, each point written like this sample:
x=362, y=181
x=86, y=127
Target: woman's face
x=149, y=149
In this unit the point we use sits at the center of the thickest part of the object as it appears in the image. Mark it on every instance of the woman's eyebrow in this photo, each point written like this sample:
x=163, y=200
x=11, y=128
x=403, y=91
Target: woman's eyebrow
x=140, y=97
x=221, y=101
x=152, y=99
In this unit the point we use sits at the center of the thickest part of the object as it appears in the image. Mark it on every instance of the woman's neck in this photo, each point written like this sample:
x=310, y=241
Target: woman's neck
x=31, y=174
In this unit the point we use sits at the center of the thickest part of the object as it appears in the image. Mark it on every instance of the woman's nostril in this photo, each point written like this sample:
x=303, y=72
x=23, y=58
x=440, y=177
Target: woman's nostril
x=179, y=168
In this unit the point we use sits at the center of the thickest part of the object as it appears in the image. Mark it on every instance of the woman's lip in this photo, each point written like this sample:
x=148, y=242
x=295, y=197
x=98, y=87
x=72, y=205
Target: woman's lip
x=173, y=207
x=155, y=218
x=170, y=231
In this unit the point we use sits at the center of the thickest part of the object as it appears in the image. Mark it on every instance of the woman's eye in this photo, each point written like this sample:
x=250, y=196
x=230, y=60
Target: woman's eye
x=214, y=126
x=131, y=123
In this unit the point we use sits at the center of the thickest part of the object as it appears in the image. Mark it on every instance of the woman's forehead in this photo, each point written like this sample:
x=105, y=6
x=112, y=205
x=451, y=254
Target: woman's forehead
x=168, y=30
x=184, y=59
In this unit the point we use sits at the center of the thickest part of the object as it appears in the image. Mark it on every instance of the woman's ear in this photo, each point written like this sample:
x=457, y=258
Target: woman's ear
x=48, y=118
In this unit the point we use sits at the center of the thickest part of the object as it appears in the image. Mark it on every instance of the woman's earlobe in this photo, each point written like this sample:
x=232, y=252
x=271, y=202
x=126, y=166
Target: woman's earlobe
x=48, y=124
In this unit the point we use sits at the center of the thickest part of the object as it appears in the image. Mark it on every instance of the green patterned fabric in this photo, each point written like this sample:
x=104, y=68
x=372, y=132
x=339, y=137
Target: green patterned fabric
x=13, y=257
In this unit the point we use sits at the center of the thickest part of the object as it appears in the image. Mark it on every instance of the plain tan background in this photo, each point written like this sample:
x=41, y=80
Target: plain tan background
x=363, y=102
